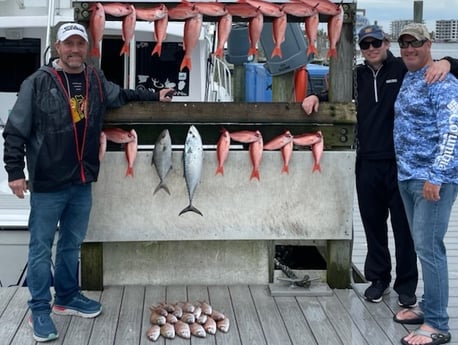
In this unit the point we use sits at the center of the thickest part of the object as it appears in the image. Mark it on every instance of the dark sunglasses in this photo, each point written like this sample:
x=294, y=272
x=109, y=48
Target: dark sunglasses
x=414, y=43
x=364, y=45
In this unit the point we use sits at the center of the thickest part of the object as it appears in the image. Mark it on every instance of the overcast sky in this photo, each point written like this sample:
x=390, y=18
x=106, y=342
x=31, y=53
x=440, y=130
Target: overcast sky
x=384, y=11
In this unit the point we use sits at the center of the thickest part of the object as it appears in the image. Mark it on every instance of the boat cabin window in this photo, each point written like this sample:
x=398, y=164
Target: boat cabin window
x=153, y=72
x=20, y=58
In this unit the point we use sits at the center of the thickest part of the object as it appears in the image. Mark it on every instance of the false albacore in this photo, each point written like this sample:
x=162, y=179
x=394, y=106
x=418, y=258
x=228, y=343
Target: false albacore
x=162, y=158
x=192, y=164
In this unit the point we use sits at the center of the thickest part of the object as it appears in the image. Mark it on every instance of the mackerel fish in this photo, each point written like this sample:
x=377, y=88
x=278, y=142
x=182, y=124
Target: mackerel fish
x=162, y=159
x=192, y=165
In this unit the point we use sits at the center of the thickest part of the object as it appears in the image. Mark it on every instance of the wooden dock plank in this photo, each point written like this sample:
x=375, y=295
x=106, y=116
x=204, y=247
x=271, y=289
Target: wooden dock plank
x=295, y=322
x=341, y=320
x=272, y=324
x=13, y=314
x=247, y=318
x=5, y=298
x=220, y=298
x=131, y=315
x=321, y=327
x=363, y=319
x=104, y=330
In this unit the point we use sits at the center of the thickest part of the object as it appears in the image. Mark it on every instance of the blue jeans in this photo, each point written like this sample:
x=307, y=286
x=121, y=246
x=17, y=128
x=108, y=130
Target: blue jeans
x=70, y=208
x=428, y=222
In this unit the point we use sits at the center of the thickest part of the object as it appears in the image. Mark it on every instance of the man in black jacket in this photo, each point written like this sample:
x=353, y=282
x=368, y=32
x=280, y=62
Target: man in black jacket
x=378, y=82
x=56, y=123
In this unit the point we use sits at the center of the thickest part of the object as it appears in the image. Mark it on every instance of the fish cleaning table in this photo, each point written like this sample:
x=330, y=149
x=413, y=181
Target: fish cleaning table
x=137, y=237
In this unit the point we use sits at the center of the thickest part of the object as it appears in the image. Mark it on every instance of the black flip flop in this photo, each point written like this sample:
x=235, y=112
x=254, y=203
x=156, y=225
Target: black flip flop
x=436, y=337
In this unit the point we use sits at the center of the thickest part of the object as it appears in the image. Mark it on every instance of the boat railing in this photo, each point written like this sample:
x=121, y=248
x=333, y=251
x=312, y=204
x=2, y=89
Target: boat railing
x=219, y=82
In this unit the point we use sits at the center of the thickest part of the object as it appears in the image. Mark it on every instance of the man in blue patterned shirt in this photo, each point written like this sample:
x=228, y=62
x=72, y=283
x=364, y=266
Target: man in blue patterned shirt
x=425, y=137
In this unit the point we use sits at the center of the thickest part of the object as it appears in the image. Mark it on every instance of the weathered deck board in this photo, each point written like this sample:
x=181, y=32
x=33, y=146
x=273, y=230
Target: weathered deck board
x=321, y=326
x=343, y=321
x=220, y=298
x=343, y=318
x=248, y=323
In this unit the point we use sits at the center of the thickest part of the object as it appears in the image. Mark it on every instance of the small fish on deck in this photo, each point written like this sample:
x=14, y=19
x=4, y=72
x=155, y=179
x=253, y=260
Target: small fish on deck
x=153, y=332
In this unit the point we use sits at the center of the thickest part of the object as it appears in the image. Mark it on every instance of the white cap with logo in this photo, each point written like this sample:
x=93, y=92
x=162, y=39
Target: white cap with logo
x=70, y=29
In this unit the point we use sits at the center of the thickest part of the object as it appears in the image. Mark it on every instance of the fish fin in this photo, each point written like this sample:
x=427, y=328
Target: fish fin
x=311, y=50
x=219, y=170
x=190, y=208
x=316, y=167
x=186, y=63
x=252, y=51
x=95, y=51
x=332, y=52
x=163, y=186
x=157, y=49
x=255, y=174
x=285, y=169
x=219, y=53
x=276, y=52
x=124, y=49
x=130, y=171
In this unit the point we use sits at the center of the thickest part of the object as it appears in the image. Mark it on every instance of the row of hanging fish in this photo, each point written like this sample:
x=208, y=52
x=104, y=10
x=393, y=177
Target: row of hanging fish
x=185, y=319
x=193, y=153
x=283, y=142
x=192, y=13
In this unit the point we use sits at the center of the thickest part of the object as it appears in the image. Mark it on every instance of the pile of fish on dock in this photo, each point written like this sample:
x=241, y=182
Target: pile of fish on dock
x=185, y=319
x=193, y=153
x=193, y=13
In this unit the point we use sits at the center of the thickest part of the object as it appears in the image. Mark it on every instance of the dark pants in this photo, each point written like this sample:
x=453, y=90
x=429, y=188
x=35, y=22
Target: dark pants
x=378, y=197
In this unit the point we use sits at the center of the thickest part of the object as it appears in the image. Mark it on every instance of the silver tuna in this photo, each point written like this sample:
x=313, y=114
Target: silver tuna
x=162, y=158
x=193, y=156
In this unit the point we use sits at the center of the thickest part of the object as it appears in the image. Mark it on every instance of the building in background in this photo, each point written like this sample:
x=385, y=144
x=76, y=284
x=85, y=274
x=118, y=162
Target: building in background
x=396, y=27
x=447, y=30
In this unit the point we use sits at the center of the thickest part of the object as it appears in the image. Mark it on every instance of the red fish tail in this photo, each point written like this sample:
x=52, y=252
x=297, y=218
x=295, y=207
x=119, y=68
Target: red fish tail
x=312, y=50
x=130, y=171
x=285, y=169
x=157, y=50
x=255, y=174
x=316, y=167
x=185, y=63
x=219, y=53
x=124, y=49
x=220, y=170
x=95, y=51
x=332, y=52
x=276, y=52
x=252, y=51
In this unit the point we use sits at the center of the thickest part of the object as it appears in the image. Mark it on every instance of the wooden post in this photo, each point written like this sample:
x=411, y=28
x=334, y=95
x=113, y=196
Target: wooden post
x=283, y=87
x=92, y=266
x=341, y=68
x=238, y=80
x=338, y=263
